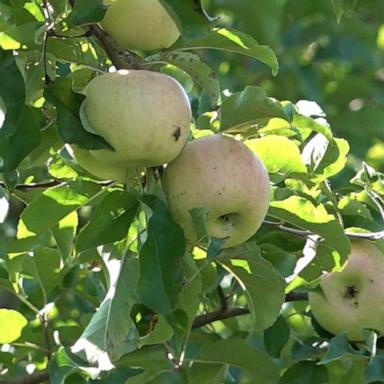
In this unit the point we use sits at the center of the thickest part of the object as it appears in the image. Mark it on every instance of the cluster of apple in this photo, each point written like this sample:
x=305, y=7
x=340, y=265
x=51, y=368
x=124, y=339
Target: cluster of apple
x=145, y=116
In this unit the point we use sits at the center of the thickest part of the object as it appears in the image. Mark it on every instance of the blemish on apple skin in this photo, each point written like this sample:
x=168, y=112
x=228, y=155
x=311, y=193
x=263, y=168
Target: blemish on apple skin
x=176, y=134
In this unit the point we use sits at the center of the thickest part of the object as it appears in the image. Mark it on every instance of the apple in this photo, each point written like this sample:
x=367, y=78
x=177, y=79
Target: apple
x=222, y=175
x=96, y=167
x=353, y=298
x=140, y=24
x=145, y=116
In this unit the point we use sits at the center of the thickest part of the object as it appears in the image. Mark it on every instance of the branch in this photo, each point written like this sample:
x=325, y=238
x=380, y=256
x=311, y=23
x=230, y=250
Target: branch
x=304, y=233
x=35, y=378
x=221, y=314
x=121, y=58
x=47, y=184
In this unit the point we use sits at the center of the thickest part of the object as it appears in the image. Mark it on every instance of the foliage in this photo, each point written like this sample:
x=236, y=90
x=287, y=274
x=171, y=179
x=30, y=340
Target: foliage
x=98, y=283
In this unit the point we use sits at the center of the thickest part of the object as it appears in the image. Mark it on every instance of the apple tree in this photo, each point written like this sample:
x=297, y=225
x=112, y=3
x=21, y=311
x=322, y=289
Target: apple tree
x=191, y=191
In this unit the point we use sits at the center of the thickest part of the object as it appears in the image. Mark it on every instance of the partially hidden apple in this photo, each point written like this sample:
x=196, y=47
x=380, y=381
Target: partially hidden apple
x=145, y=117
x=352, y=299
x=98, y=168
x=222, y=175
x=140, y=24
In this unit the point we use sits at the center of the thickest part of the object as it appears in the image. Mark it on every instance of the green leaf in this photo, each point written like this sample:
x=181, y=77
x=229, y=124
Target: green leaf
x=375, y=369
x=325, y=158
x=338, y=348
x=308, y=123
x=110, y=222
x=305, y=372
x=55, y=203
x=201, y=73
x=67, y=105
x=86, y=12
x=239, y=353
x=13, y=149
x=64, y=233
x=206, y=373
x=246, y=108
x=189, y=17
x=44, y=266
x=263, y=288
x=11, y=325
x=280, y=156
x=161, y=259
x=63, y=366
x=340, y=6
x=111, y=331
x=231, y=40
x=276, y=337
x=12, y=92
x=303, y=214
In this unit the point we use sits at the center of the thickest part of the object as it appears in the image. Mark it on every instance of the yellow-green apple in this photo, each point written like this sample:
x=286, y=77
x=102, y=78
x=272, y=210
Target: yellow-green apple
x=145, y=116
x=98, y=168
x=352, y=299
x=222, y=175
x=140, y=24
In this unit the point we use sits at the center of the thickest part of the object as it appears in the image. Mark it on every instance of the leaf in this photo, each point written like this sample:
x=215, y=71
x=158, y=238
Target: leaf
x=12, y=92
x=305, y=372
x=338, y=348
x=64, y=233
x=44, y=266
x=86, y=12
x=276, y=337
x=305, y=122
x=375, y=369
x=263, y=288
x=239, y=353
x=280, y=155
x=246, y=108
x=11, y=325
x=67, y=105
x=13, y=149
x=189, y=16
x=110, y=222
x=206, y=373
x=63, y=366
x=231, y=40
x=340, y=6
x=326, y=159
x=303, y=214
x=201, y=73
x=55, y=203
x=161, y=259
x=111, y=331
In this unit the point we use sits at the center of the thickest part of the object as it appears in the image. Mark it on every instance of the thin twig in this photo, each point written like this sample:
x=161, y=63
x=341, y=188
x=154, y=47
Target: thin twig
x=219, y=314
x=48, y=184
x=120, y=58
x=44, y=322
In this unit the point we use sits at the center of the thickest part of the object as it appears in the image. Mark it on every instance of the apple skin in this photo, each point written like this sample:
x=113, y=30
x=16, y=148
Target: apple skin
x=96, y=167
x=145, y=116
x=222, y=175
x=353, y=298
x=143, y=25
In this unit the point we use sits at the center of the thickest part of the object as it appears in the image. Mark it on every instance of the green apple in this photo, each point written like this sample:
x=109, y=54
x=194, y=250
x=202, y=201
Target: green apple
x=145, y=116
x=222, y=175
x=352, y=299
x=140, y=24
x=98, y=168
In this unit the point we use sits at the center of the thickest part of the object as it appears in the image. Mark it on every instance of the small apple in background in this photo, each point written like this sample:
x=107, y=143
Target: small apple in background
x=222, y=175
x=143, y=25
x=145, y=116
x=353, y=299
